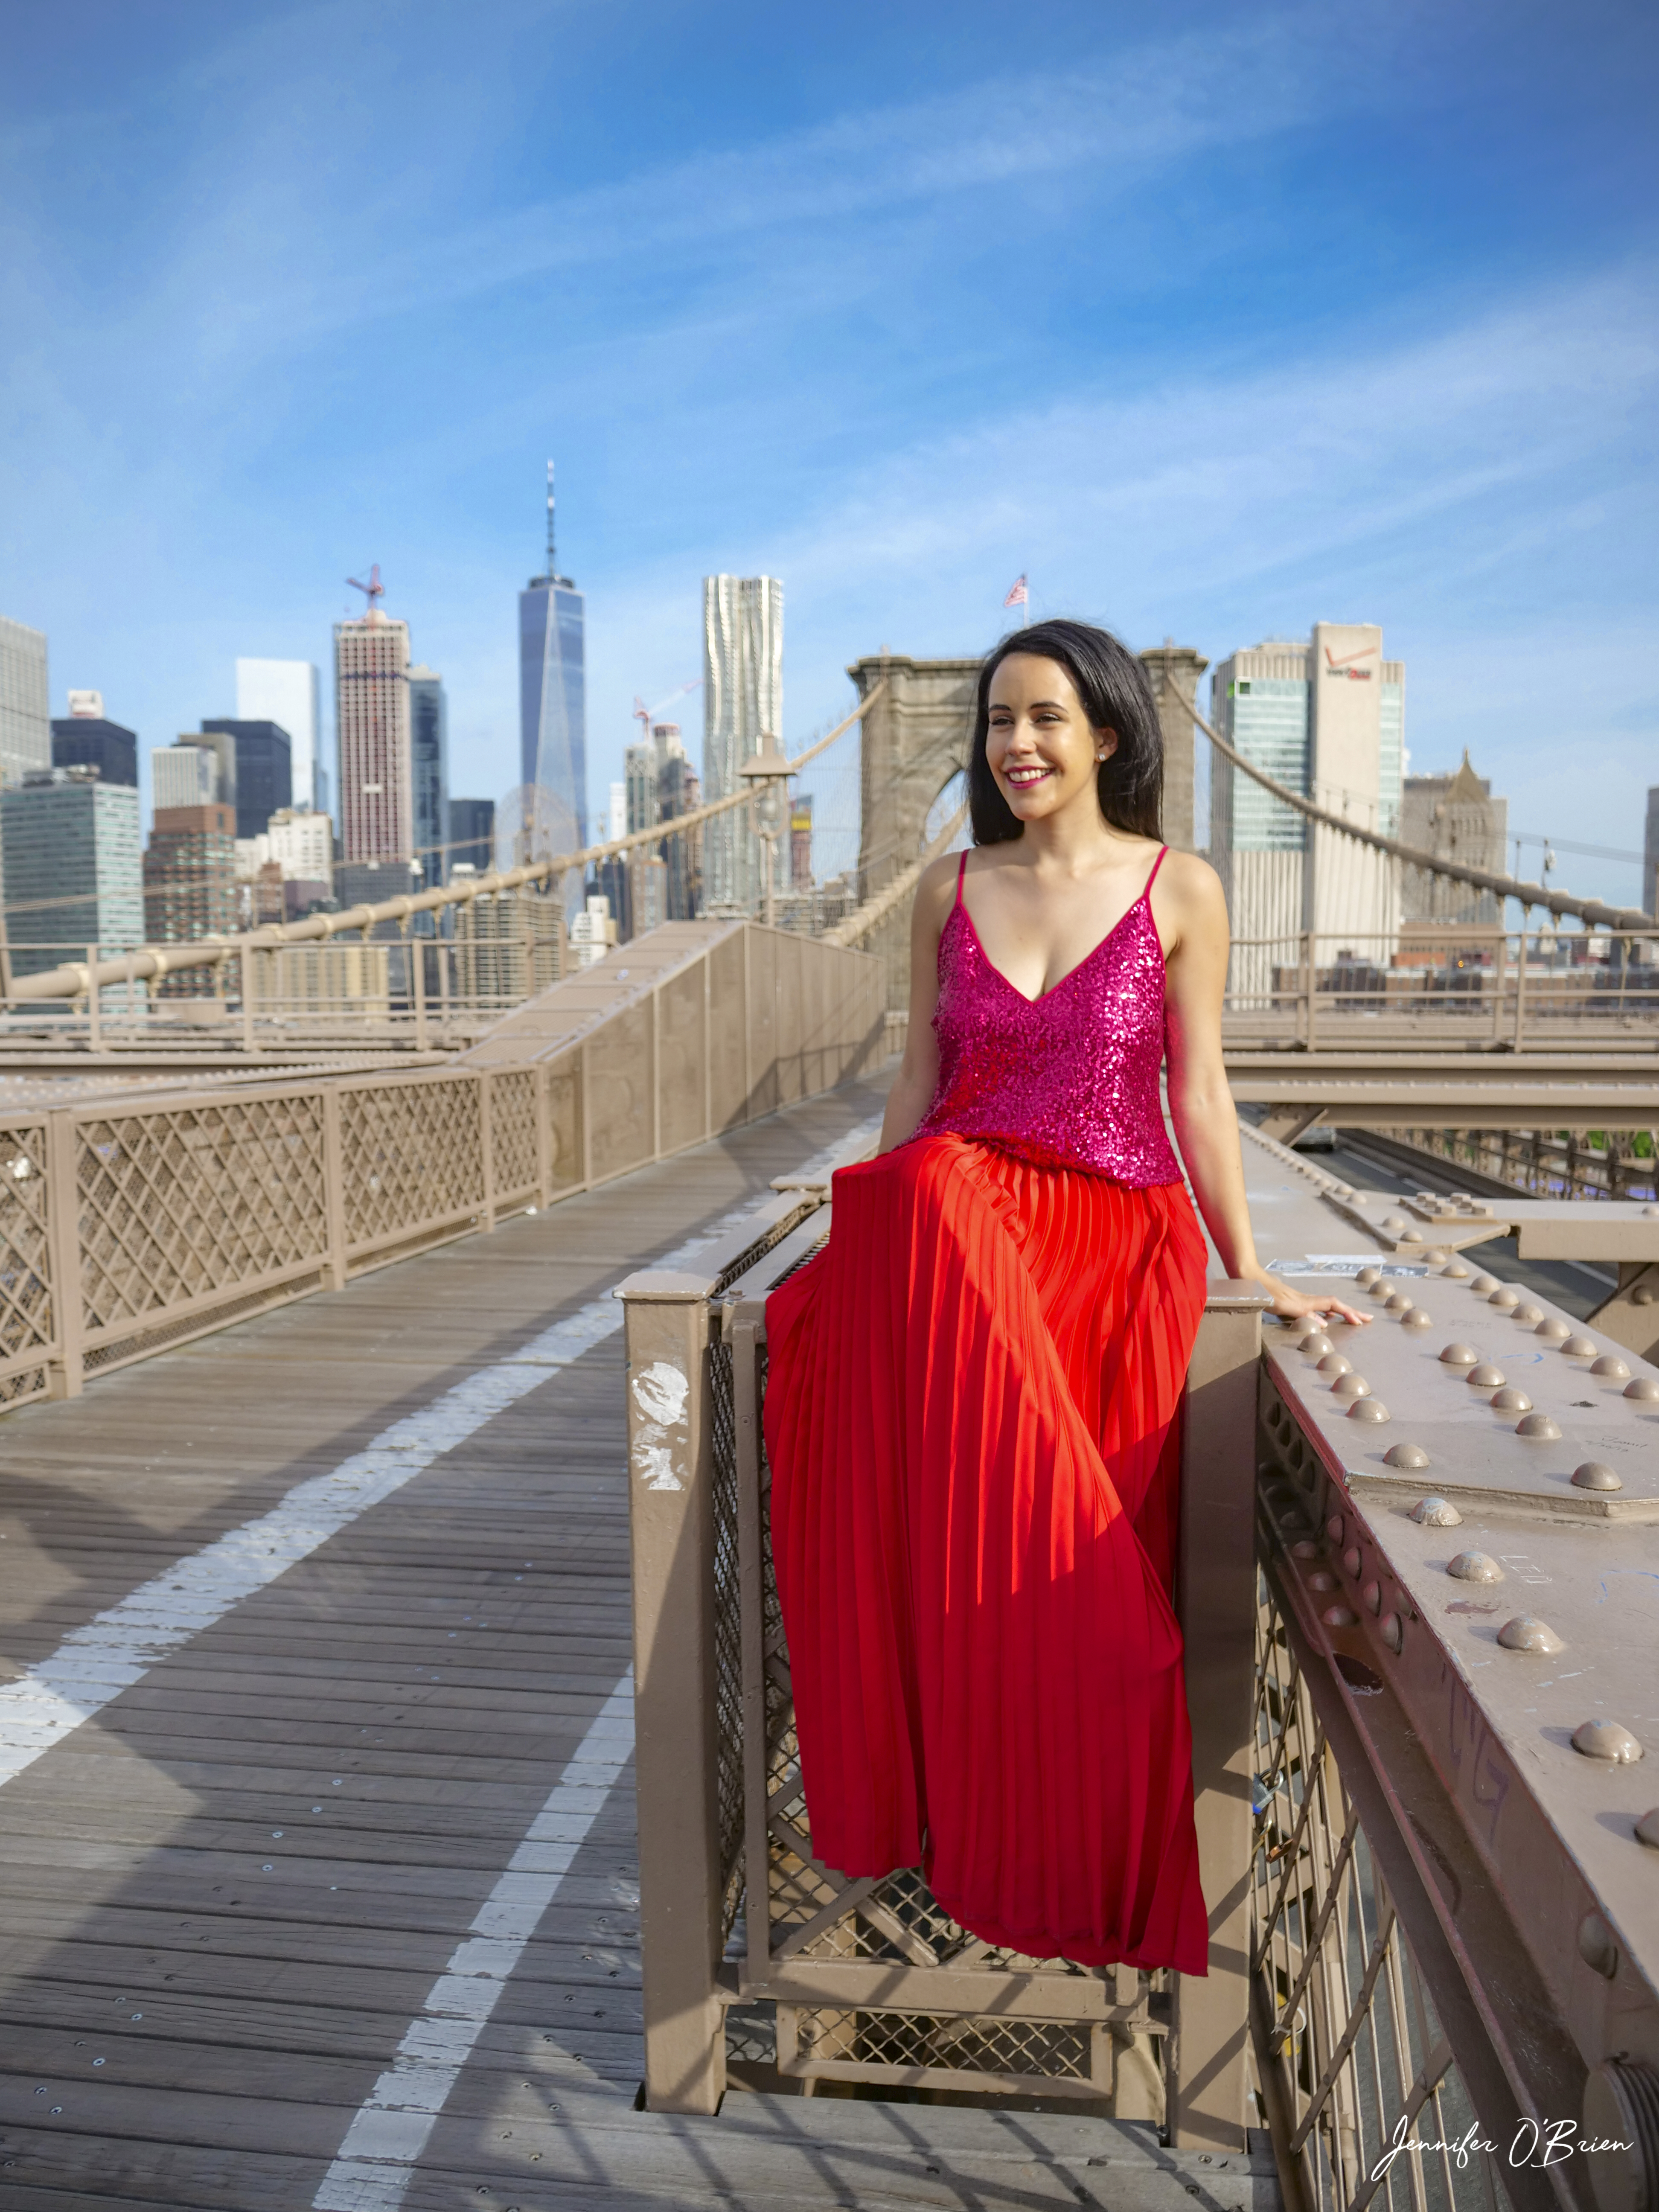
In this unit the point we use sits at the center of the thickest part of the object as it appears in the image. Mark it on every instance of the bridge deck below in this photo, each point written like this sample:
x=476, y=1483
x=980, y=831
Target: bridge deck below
x=229, y=1894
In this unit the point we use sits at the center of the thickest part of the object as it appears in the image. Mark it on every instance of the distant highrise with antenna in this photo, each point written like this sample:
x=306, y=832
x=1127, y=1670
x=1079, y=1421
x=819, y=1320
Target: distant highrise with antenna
x=552, y=812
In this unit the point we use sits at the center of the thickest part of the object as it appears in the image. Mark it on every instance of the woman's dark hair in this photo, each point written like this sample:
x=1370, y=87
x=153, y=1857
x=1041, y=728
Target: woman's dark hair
x=1115, y=695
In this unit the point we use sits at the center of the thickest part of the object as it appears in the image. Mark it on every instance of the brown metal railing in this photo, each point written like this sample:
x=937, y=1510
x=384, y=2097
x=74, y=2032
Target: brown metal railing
x=129, y=1224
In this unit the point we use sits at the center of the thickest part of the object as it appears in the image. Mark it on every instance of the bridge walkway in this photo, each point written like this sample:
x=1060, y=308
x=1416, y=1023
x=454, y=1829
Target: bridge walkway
x=309, y=1909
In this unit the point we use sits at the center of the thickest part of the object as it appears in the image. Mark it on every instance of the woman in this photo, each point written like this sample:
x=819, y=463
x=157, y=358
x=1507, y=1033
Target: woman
x=973, y=1396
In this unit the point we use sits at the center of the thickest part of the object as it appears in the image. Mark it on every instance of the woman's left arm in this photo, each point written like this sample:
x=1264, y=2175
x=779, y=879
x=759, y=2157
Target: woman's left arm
x=1194, y=916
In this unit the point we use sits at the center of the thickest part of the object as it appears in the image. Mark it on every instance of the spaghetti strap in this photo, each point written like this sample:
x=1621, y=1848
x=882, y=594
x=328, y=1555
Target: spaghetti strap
x=1151, y=879
x=962, y=870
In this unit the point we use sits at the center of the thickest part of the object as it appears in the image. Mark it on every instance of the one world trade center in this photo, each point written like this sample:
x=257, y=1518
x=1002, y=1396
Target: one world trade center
x=552, y=802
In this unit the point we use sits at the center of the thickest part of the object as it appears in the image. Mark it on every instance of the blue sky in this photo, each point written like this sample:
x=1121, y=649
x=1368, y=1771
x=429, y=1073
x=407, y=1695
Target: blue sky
x=1218, y=320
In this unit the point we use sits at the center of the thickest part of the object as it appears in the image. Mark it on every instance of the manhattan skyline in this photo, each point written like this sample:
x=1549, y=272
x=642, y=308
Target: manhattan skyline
x=1218, y=325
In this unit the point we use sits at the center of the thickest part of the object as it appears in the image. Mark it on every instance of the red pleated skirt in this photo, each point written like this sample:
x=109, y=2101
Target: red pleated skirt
x=972, y=1415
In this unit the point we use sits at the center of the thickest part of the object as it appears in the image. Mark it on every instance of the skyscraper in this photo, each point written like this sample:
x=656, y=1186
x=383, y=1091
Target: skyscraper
x=92, y=741
x=371, y=706
x=472, y=835
x=184, y=775
x=429, y=726
x=1326, y=719
x=264, y=770
x=25, y=714
x=552, y=707
x=69, y=854
x=190, y=883
x=1455, y=818
x=742, y=698
x=288, y=693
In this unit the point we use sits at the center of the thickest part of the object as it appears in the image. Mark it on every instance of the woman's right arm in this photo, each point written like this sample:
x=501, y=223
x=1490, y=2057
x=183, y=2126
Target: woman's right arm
x=912, y=1093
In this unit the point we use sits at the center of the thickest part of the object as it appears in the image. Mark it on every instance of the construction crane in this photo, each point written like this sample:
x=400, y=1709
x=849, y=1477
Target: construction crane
x=644, y=716
x=373, y=590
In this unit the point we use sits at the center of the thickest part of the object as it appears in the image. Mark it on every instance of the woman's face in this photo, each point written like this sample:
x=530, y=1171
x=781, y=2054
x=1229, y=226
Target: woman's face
x=1041, y=746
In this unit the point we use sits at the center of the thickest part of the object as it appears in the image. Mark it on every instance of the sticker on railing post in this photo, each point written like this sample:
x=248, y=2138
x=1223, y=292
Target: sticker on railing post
x=660, y=1396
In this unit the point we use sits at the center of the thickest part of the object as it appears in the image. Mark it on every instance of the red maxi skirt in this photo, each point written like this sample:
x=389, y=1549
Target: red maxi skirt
x=972, y=1415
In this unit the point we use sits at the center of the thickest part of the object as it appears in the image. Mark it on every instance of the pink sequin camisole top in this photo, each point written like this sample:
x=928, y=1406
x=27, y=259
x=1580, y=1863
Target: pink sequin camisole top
x=1070, y=1079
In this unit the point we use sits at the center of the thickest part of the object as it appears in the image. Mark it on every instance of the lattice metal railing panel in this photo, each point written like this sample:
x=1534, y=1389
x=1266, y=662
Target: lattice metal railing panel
x=513, y=1132
x=178, y=1205
x=413, y=1157
x=728, y=1634
x=874, y=2045
x=27, y=1312
x=1356, y=2051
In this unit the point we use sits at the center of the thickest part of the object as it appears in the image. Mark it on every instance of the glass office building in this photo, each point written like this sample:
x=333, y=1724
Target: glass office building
x=429, y=738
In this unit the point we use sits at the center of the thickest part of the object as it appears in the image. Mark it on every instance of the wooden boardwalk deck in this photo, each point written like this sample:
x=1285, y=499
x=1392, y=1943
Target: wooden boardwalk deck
x=226, y=1897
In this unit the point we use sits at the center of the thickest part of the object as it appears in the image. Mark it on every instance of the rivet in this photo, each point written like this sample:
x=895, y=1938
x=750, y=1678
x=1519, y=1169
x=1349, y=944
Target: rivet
x=1435, y=1258
x=1554, y=1330
x=1642, y=1296
x=1611, y=1367
x=1334, y=1363
x=1372, y=1595
x=1650, y=1209
x=1411, y=1236
x=1510, y=1400
x=1394, y=1221
x=1339, y=1616
x=1528, y=1315
x=1433, y=1512
x=1368, y=1409
x=1367, y=1276
x=1324, y=1580
x=1593, y=1475
x=1398, y=1302
x=1645, y=1387
x=1459, y=1355
x=1380, y=1290
x=1483, y=1285
x=1307, y=1549
x=1524, y=1633
x=1577, y=1347
x=1407, y=1455
x=1316, y=1344
x=1541, y=1428
x=1597, y=1946
x=1393, y=1634
x=1475, y=1567
x=1504, y=1298
x=1351, y=1559
x=1350, y=1386
x=1607, y=1739
x=1457, y=1272
x=1416, y=1319
x=1485, y=1377
x=1647, y=1829
x=1334, y=1527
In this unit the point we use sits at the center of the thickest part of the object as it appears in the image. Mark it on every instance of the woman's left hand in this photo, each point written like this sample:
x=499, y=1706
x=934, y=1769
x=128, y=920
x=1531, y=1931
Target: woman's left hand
x=1300, y=1305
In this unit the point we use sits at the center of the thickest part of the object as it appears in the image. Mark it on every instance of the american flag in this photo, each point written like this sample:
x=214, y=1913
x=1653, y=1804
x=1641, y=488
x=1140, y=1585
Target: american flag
x=1018, y=594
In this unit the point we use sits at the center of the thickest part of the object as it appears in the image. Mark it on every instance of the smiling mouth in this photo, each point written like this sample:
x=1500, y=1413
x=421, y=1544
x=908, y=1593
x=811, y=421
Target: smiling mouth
x=1022, y=778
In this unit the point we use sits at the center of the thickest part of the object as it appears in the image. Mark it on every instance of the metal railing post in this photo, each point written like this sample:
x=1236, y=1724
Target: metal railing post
x=1218, y=1604
x=95, y=1003
x=65, y=1372
x=671, y=1529
x=487, y=1146
x=334, y=1185
x=1521, y=987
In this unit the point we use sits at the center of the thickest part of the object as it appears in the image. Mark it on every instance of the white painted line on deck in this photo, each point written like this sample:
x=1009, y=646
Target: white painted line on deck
x=376, y=2160
x=119, y=1646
